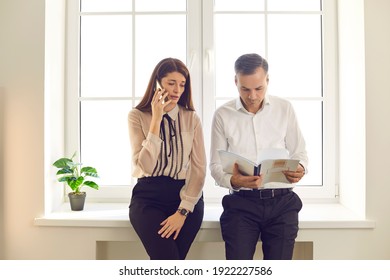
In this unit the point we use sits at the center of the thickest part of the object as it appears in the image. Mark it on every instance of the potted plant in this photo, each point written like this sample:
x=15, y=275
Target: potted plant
x=74, y=175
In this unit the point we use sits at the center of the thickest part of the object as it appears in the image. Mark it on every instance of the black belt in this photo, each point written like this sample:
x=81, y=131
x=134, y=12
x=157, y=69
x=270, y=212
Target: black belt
x=263, y=194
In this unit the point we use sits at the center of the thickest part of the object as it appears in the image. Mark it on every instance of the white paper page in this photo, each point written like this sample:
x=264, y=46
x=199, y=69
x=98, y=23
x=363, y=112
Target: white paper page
x=228, y=159
x=272, y=153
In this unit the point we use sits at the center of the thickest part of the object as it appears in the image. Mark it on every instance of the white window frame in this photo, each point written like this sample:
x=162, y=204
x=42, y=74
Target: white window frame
x=329, y=192
x=199, y=62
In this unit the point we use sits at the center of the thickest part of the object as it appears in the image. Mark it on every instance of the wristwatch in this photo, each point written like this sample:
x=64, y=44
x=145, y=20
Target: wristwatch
x=183, y=211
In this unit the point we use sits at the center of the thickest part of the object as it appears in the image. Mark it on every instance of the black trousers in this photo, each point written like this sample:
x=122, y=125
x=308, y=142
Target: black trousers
x=246, y=218
x=153, y=200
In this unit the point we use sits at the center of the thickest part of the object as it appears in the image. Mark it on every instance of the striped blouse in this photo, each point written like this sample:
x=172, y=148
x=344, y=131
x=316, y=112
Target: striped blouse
x=179, y=152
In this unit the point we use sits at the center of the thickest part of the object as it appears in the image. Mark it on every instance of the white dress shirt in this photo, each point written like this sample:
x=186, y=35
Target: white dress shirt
x=237, y=130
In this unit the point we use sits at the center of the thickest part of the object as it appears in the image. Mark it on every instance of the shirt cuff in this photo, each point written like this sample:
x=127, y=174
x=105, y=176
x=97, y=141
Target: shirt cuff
x=227, y=183
x=187, y=205
x=304, y=167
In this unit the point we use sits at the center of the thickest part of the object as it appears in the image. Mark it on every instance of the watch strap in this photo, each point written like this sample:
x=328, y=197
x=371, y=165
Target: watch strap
x=183, y=211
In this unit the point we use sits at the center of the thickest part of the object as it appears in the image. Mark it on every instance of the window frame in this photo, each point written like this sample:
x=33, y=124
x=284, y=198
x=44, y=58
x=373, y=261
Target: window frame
x=199, y=57
x=329, y=191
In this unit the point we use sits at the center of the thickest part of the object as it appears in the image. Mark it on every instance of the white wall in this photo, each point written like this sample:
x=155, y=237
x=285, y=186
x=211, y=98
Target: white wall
x=22, y=198
x=377, y=122
x=1, y=170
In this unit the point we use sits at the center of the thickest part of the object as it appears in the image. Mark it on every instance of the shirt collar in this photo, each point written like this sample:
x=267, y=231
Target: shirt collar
x=173, y=113
x=239, y=105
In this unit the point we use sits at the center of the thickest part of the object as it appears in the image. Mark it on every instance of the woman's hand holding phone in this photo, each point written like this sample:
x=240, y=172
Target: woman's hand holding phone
x=159, y=101
x=160, y=88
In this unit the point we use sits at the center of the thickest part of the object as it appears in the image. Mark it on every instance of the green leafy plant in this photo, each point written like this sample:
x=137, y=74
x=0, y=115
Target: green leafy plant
x=74, y=175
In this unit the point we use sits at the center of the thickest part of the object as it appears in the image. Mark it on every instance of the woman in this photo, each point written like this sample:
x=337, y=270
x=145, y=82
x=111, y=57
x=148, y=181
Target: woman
x=169, y=160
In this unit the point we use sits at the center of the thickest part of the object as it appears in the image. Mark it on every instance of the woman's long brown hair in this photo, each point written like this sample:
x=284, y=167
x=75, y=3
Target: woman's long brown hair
x=162, y=69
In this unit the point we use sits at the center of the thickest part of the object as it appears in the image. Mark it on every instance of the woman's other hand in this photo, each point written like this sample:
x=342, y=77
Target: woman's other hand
x=172, y=225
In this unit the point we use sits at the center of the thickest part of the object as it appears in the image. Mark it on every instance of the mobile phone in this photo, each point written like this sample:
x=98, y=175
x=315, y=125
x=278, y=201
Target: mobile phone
x=159, y=87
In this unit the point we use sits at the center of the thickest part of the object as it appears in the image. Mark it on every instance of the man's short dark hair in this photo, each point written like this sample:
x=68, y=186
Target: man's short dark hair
x=248, y=63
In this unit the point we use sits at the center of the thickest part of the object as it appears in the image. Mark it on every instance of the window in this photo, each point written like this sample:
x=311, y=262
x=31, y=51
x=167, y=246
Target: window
x=114, y=45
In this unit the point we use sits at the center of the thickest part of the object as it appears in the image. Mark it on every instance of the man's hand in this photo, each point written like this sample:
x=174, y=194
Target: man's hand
x=243, y=181
x=295, y=176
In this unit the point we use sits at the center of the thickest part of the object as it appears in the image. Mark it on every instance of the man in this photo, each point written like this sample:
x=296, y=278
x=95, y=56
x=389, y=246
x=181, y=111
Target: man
x=245, y=126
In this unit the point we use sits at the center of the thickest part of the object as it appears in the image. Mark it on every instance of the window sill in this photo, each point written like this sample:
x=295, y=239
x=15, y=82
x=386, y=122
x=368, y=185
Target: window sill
x=312, y=216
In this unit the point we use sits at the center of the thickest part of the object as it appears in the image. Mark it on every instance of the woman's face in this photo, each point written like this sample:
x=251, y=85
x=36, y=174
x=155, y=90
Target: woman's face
x=174, y=83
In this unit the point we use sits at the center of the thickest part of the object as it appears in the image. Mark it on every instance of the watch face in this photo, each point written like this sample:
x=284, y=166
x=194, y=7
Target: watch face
x=184, y=212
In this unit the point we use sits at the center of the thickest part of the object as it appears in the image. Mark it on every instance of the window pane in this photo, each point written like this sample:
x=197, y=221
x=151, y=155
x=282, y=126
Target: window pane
x=232, y=39
x=221, y=102
x=158, y=5
x=105, y=140
x=242, y=5
x=296, y=5
x=106, y=5
x=294, y=55
x=106, y=56
x=309, y=114
x=152, y=45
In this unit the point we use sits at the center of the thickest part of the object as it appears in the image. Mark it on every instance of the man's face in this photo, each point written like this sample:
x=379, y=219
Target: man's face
x=252, y=89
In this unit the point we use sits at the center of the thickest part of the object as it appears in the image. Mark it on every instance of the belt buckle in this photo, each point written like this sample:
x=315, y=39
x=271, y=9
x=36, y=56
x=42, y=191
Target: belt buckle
x=267, y=197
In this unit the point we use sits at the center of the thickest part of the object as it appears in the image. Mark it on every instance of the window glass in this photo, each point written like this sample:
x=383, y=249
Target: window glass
x=106, y=55
x=309, y=114
x=160, y=6
x=153, y=44
x=105, y=140
x=296, y=5
x=106, y=6
x=294, y=55
x=242, y=5
x=233, y=38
